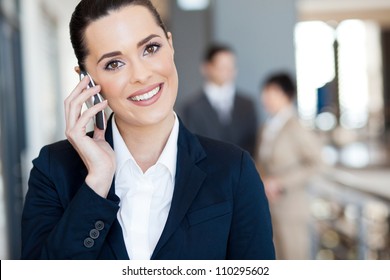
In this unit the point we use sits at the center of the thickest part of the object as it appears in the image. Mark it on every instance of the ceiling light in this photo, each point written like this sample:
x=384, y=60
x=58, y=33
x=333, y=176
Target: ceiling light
x=192, y=5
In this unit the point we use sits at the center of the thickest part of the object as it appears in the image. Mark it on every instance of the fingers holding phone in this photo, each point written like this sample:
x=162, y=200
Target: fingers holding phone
x=75, y=101
x=99, y=118
x=96, y=153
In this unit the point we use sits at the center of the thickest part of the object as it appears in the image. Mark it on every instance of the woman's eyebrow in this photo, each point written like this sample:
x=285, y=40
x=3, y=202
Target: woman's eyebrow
x=111, y=54
x=139, y=44
x=144, y=41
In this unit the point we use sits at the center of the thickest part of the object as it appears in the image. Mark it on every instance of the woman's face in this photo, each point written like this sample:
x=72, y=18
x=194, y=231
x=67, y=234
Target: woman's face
x=133, y=62
x=274, y=99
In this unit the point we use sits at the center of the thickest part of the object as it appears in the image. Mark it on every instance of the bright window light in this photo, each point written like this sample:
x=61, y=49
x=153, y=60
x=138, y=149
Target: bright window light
x=353, y=78
x=315, y=63
x=191, y=5
x=359, y=70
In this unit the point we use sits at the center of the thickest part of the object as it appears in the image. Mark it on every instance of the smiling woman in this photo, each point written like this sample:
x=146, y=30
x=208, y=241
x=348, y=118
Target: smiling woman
x=146, y=187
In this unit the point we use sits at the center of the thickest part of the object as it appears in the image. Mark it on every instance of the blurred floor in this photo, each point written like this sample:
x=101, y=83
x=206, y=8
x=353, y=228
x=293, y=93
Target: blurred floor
x=351, y=214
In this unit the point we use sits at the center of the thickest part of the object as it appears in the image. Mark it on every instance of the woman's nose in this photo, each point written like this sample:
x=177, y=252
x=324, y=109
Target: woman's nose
x=139, y=72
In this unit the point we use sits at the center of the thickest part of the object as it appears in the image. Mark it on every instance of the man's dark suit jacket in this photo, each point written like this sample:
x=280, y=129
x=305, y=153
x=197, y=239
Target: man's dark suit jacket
x=201, y=118
x=219, y=209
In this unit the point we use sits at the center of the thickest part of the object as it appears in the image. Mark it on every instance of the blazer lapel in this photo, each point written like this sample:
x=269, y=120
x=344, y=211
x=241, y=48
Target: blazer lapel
x=189, y=178
x=116, y=242
x=115, y=237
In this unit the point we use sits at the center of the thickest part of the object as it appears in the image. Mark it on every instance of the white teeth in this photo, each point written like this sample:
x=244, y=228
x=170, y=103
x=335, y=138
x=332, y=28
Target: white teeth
x=146, y=96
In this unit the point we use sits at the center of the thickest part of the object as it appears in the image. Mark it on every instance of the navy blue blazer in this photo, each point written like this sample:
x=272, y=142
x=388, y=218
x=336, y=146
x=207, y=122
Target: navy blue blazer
x=219, y=209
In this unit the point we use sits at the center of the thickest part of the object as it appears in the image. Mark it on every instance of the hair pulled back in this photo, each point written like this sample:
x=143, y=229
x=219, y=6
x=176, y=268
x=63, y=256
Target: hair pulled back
x=88, y=11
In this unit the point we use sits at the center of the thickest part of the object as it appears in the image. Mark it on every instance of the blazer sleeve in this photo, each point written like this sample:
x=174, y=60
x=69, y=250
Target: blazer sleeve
x=56, y=225
x=251, y=232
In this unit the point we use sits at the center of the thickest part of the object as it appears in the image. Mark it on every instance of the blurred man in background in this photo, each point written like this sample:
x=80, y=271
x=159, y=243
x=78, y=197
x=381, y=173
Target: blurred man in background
x=219, y=110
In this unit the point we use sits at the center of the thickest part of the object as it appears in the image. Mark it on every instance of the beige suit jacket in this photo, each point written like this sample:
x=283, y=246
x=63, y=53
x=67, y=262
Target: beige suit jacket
x=293, y=157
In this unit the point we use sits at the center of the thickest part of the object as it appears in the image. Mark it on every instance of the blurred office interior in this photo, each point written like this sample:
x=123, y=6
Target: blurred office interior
x=338, y=50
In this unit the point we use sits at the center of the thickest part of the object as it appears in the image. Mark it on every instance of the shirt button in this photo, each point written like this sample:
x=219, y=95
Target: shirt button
x=99, y=225
x=94, y=233
x=88, y=242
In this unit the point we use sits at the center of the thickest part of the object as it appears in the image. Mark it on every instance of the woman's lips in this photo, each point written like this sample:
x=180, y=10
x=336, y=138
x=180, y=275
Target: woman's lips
x=147, y=97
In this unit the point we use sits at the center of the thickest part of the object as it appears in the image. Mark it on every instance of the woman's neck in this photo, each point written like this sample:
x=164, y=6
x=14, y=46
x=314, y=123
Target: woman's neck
x=146, y=143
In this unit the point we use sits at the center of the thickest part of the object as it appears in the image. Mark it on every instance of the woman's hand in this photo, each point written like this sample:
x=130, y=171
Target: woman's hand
x=96, y=153
x=273, y=189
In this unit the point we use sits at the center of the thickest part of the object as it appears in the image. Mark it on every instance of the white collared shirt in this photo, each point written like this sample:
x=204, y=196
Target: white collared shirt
x=221, y=99
x=145, y=198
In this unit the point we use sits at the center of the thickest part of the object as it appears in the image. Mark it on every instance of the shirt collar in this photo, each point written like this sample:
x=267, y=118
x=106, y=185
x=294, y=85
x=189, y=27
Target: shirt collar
x=220, y=95
x=122, y=153
x=168, y=157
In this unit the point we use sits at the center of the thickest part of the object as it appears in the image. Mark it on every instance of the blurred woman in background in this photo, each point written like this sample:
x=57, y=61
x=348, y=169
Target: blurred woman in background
x=287, y=156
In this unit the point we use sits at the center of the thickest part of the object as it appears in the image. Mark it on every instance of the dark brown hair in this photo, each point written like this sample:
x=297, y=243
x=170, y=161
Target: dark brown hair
x=88, y=11
x=284, y=81
x=214, y=49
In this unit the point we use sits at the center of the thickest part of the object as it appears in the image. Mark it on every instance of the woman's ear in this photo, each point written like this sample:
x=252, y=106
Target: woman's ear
x=77, y=69
x=170, y=41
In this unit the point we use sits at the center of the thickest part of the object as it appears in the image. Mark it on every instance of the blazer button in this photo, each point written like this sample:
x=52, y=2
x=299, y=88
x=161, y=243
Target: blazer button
x=99, y=225
x=88, y=242
x=94, y=233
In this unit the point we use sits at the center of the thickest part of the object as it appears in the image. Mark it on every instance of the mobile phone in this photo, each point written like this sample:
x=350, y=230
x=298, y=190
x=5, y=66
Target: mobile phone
x=99, y=119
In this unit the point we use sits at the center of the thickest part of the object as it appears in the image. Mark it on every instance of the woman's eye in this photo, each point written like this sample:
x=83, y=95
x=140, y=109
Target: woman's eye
x=113, y=65
x=151, y=49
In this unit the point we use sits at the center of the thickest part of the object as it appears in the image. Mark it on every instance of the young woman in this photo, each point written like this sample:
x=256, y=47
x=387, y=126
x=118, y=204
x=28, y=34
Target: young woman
x=146, y=187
